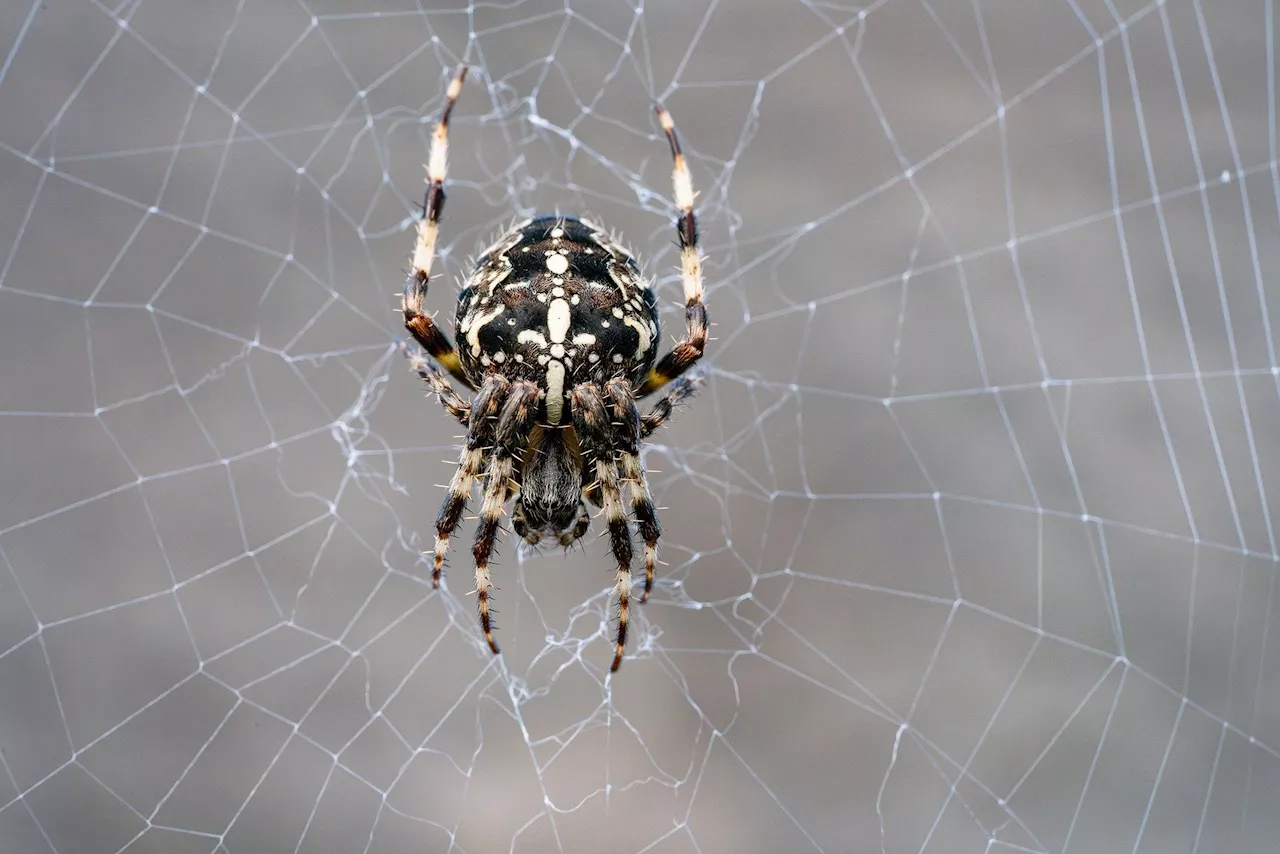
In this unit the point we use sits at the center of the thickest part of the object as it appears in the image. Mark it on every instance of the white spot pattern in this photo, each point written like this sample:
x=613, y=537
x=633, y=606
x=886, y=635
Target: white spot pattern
x=555, y=392
x=472, y=325
x=558, y=320
x=643, y=331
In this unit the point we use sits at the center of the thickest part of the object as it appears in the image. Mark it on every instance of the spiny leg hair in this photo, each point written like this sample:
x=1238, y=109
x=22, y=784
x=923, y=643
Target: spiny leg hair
x=452, y=402
x=514, y=424
x=687, y=352
x=484, y=410
x=419, y=324
x=592, y=424
x=680, y=391
x=626, y=416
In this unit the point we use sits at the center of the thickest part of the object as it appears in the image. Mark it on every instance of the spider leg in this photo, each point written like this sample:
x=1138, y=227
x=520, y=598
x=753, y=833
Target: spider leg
x=688, y=351
x=514, y=424
x=591, y=422
x=420, y=325
x=626, y=416
x=479, y=433
x=452, y=402
x=680, y=391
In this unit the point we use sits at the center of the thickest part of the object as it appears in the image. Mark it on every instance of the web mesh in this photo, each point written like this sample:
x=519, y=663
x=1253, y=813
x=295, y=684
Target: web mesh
x=968, y=540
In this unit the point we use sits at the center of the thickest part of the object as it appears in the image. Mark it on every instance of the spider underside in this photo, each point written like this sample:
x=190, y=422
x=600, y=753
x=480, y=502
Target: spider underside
x=558, y=337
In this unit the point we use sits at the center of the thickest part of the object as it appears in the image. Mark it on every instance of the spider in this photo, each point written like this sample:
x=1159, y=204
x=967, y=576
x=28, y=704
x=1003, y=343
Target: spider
x=558, y=337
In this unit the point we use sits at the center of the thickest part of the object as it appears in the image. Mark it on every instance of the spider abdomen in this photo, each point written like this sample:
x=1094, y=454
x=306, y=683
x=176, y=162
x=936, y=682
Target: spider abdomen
x=557, y=302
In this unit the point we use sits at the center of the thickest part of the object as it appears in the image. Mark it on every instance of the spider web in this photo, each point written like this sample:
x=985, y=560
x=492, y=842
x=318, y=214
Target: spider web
x=968, y=538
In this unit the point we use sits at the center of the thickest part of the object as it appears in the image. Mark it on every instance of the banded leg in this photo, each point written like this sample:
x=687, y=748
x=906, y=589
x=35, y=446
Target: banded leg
x=479, y=434
x=680, y=391
x=591, y=423
x=687, y=352
x=514, y=424
x=420, y=325
x=627, y=439
x=452, y=402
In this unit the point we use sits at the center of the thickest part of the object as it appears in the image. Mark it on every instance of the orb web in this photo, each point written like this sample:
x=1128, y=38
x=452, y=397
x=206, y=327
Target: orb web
x=968, y=536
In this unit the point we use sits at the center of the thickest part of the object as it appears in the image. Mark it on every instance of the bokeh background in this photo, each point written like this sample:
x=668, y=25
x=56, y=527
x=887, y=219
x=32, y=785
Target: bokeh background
x=969, y=535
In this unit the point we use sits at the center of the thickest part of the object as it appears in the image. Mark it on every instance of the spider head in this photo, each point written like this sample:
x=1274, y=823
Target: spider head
x=550, y=503
x=533, y=523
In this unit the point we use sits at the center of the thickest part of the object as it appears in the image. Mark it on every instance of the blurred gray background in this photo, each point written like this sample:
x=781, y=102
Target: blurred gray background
x=969, y=541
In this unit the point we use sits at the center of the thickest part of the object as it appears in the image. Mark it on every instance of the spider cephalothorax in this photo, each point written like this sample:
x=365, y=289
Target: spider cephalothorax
x=558, y=335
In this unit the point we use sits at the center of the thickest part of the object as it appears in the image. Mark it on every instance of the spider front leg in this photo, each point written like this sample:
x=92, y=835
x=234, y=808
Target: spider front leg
x=514, y=424
x=627, y=438
x=687, y=352
x=420, y=324
x=480, y=432
x=591, y=423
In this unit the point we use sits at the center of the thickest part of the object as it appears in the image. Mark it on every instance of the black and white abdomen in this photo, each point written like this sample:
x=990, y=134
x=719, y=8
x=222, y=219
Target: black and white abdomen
x=557, y=302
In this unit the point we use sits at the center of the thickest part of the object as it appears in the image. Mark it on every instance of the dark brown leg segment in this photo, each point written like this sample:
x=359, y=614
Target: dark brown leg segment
x=592, y=424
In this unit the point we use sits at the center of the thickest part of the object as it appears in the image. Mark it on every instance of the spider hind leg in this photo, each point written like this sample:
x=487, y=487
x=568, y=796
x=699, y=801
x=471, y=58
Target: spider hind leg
x=686, y=353
x=416, y=320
